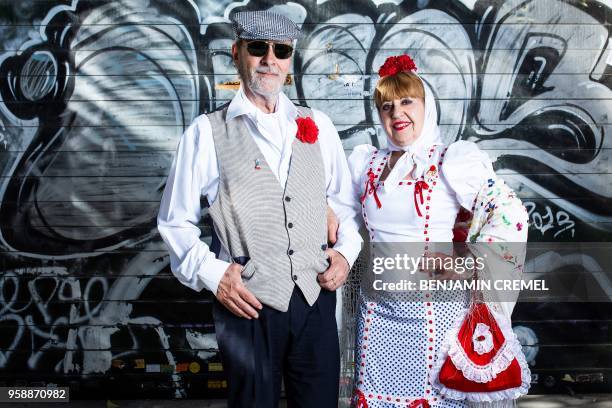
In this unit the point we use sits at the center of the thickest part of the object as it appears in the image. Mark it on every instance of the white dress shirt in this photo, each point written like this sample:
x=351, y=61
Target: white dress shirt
x=195, y=172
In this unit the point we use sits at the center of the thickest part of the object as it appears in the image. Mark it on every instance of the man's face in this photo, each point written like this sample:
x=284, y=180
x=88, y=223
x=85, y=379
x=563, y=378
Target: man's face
x=263, y=75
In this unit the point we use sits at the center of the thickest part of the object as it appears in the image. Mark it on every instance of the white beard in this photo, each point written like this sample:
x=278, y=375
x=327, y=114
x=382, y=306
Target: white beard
x=258, y=85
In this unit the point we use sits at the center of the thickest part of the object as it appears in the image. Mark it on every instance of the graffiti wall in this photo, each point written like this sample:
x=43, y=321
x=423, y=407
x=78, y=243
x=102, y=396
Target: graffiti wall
x=95, y=95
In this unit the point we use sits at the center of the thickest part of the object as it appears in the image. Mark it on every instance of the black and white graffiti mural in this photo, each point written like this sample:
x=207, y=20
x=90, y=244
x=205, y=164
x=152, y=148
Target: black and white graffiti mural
x=95, y=95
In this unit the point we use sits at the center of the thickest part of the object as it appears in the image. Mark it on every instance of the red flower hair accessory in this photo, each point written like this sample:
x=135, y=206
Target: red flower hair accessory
x=307, y=130
x=399, y=63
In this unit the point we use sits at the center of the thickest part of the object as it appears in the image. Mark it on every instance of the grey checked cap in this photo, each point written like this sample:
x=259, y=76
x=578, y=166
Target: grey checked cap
x=264, y=25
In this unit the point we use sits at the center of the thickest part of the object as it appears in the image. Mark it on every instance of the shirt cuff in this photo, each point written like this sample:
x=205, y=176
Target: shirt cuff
x=211, y=273
x=349, y=248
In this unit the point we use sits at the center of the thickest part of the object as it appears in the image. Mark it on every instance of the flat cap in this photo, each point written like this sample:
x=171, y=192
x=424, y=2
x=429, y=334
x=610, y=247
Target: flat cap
x=264, y=25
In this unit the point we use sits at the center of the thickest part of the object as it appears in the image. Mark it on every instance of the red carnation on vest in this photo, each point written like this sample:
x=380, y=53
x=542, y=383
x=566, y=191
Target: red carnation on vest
x=307, y=130
x=481, y=359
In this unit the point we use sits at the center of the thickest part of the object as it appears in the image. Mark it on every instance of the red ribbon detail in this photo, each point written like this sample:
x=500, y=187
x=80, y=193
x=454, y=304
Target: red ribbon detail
x=361, y=400
x=420, y=403
x=418, y=191
x=370, y=188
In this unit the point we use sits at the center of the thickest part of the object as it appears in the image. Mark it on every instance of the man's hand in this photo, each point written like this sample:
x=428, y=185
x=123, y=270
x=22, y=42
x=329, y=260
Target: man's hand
x=332, y=226
x=336, y=274
x=235, y=296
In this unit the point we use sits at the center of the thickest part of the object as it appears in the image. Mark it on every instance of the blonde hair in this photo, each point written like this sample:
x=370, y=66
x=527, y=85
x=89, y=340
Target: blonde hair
x=398, y=86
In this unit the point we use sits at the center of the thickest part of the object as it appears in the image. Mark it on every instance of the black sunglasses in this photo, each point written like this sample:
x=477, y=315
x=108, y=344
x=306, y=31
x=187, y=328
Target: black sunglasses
x=259, y=48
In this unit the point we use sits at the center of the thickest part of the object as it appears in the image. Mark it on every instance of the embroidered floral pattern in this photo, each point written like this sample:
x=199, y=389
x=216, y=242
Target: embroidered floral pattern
x=497, y=212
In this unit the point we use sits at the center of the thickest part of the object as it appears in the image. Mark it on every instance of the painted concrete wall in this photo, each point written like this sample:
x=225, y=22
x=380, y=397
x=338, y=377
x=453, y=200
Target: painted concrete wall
x=95, y=95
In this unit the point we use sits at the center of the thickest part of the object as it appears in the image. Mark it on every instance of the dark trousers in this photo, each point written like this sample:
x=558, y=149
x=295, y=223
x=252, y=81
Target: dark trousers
x=299, y=346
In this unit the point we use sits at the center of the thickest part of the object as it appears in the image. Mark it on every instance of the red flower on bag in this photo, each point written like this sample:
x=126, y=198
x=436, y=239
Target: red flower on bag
x=396, y=64
x=487, y=369
x=307, y=131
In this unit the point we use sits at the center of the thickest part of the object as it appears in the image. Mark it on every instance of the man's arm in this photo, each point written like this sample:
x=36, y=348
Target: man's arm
x=340, y=199
x=194, y=173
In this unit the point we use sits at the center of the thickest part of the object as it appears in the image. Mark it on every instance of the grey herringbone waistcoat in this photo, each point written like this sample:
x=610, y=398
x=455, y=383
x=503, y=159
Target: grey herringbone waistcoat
x=282, y=233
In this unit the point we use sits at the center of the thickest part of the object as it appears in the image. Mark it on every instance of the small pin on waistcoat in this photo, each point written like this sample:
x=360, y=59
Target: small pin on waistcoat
x=257, y=164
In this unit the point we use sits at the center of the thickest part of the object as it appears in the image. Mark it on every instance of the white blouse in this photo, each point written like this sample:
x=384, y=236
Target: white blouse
x=462, y=169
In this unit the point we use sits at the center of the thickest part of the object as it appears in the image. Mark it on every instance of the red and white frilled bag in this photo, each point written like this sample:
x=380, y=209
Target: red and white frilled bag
x=481, y=359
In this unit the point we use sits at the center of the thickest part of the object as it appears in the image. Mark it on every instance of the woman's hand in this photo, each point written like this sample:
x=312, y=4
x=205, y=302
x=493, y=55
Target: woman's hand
x=332, y=226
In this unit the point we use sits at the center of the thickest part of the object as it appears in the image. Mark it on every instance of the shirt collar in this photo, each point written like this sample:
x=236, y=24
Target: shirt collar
x=287, y=106
x=241, y=105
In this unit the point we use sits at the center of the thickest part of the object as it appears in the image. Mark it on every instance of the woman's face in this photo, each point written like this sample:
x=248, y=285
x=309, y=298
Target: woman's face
x=403, y=119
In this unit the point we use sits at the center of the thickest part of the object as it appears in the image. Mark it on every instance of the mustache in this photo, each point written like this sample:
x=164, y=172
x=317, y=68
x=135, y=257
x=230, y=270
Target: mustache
x=267, y=70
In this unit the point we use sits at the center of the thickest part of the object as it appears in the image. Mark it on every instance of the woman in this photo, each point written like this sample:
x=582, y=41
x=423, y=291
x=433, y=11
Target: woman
x=412, y=191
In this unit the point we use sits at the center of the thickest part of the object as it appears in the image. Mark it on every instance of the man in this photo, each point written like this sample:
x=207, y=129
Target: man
x=273, y=277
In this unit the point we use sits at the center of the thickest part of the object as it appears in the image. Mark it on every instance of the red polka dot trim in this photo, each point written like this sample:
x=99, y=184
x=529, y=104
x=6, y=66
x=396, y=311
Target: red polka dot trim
x=366, y=329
